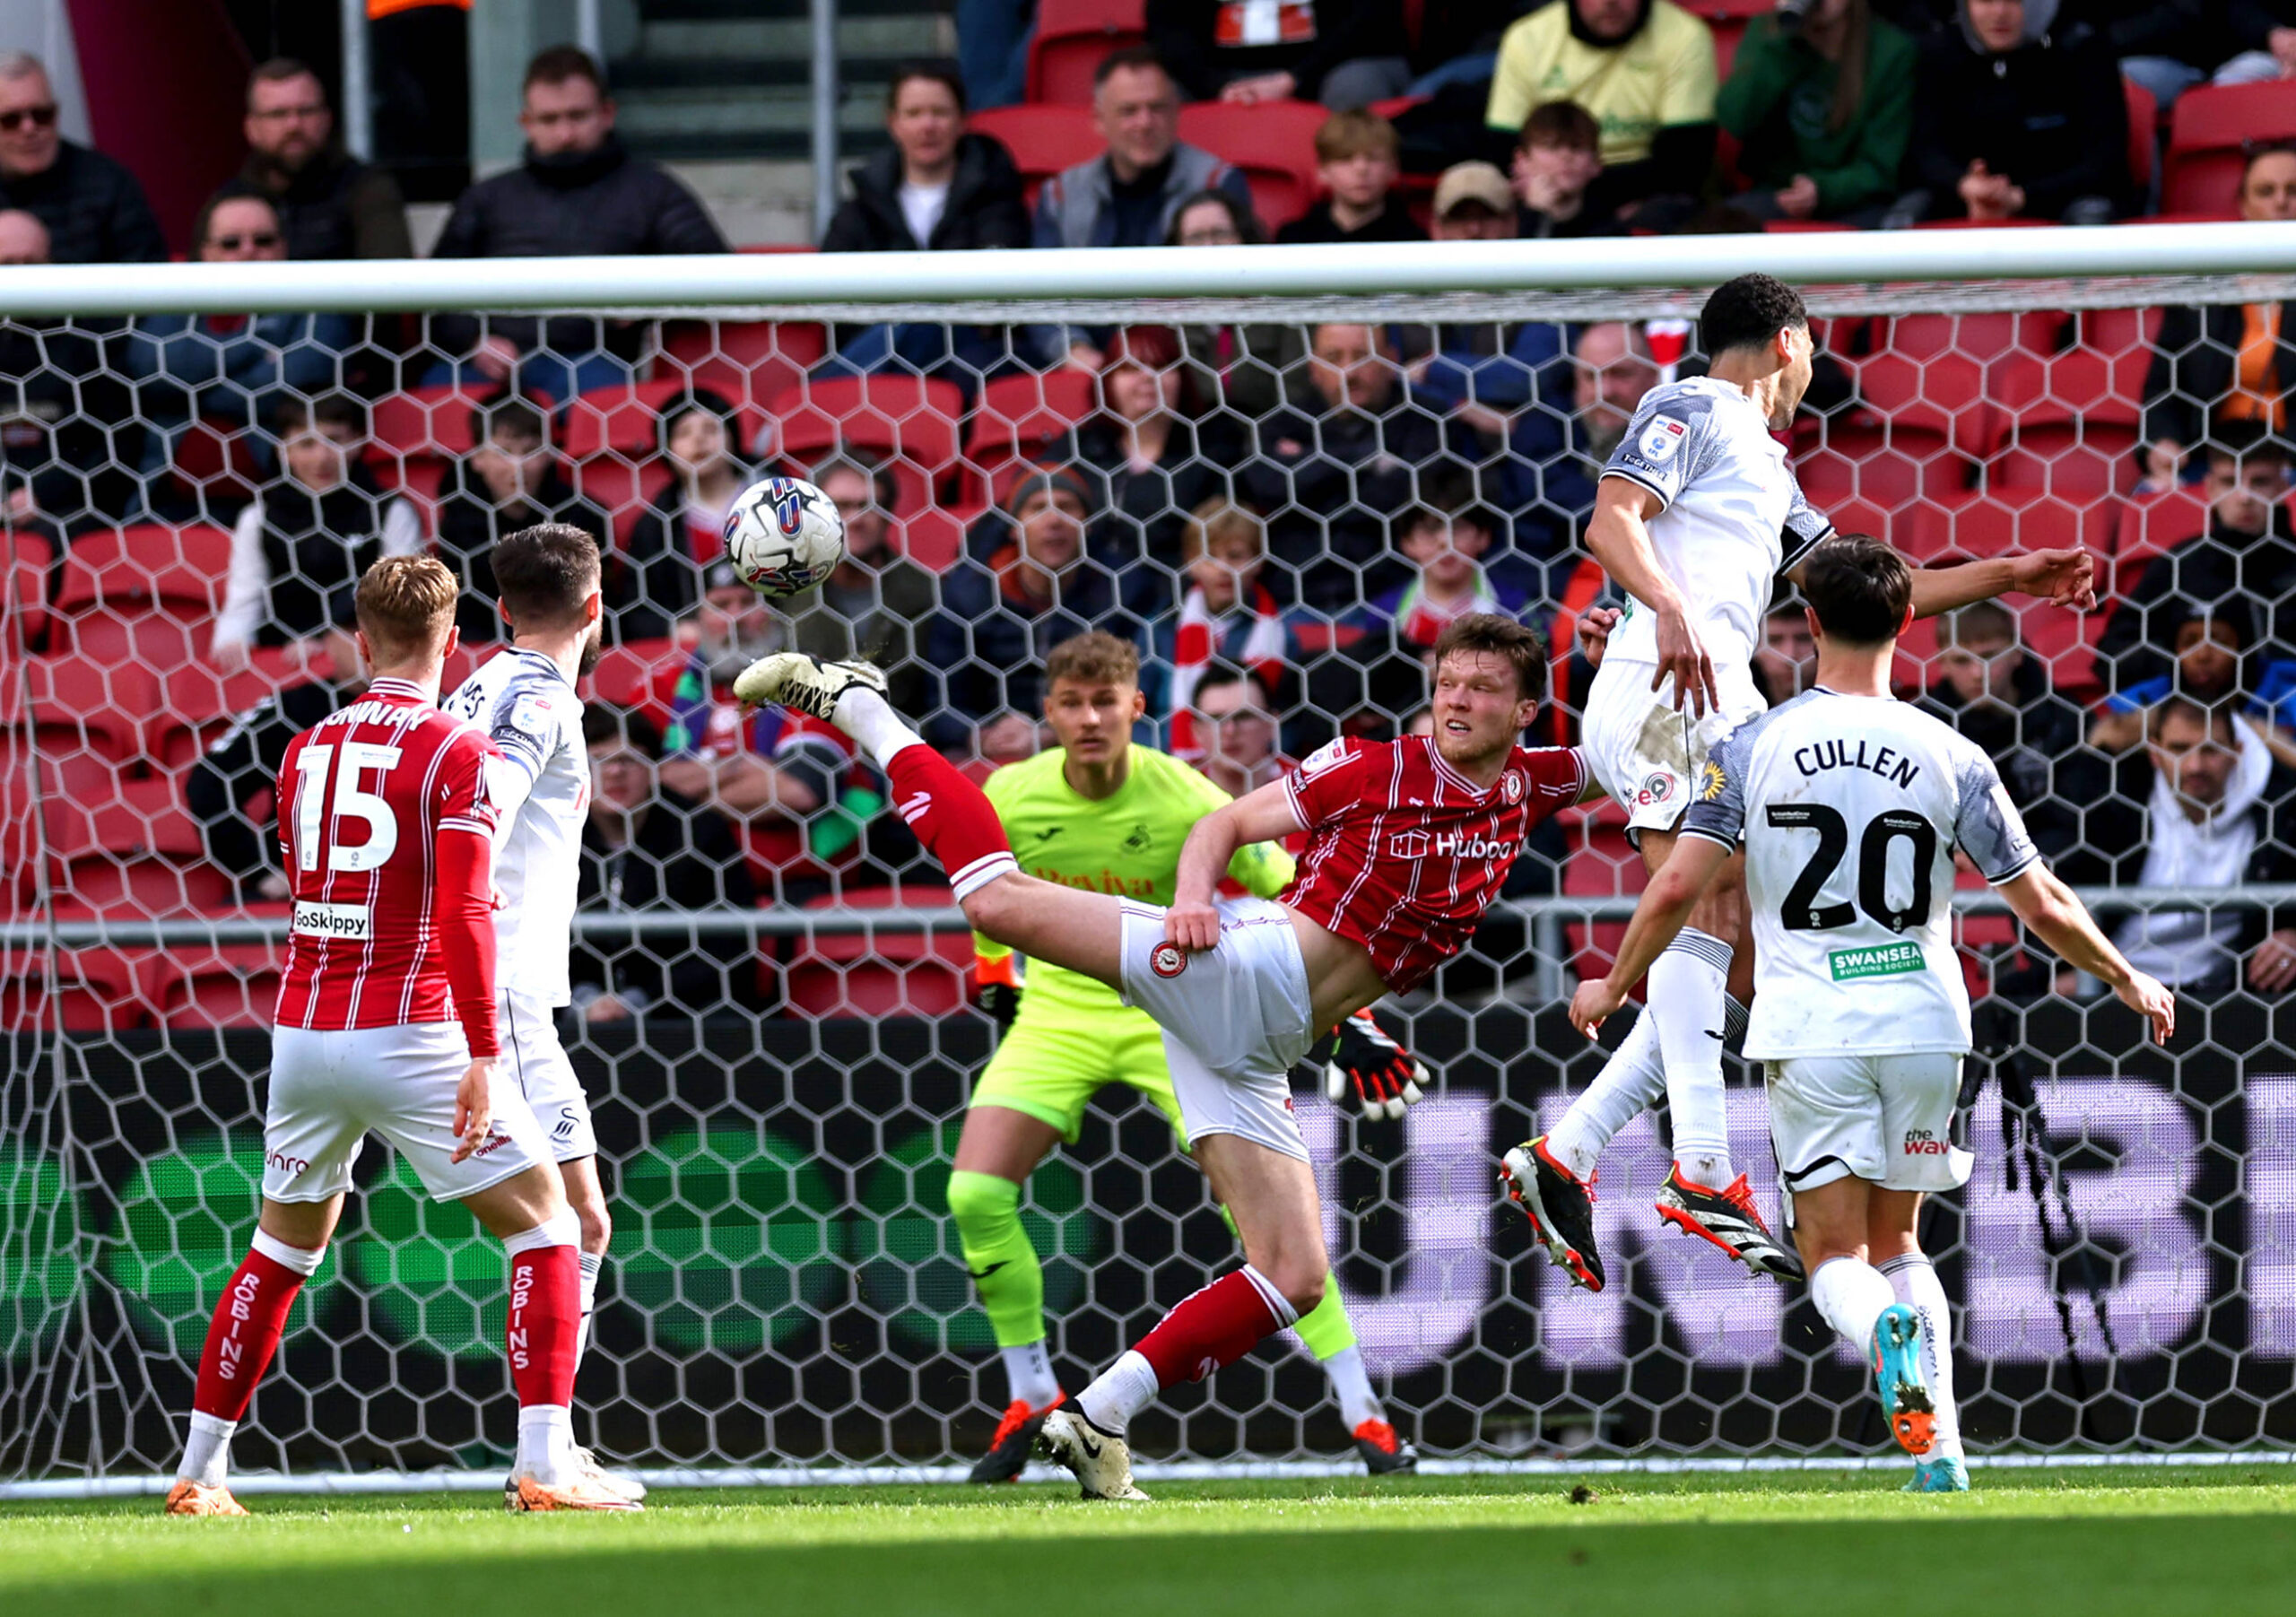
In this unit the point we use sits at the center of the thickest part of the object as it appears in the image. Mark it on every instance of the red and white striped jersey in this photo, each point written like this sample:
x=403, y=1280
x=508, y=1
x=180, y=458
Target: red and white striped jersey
x=1404, y=853
x=363, y=795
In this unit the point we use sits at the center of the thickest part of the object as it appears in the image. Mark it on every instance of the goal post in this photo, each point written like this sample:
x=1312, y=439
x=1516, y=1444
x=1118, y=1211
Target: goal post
x=781, y=1076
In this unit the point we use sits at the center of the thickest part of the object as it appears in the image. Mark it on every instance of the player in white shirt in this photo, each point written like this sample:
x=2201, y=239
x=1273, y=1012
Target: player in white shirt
x=1696, y=518
x=547, y=577
x=1851, y=806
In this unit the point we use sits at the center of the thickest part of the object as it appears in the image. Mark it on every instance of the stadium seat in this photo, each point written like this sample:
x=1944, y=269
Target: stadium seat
x=2144, y=134
x=214, y=464
x=2207, y=129
x=1043, y=140
x=1727, y=20
x=2150, y=525
x=745, y=362
x=27, y=563
x=933, y=538
x=215, y=986
x=1978, y=530
x=434, y=423
x=98, y=991
x=1021, y=418
x=2066, y=642
x=1072, y=38
x=1601, y=864
x=626, y=421
x=1274, y=142
x=146, y=595
x=882, y=972
x=84, y=719
x=630, y=675
x=911, y=420
x=622, y=491
x=2066, y=424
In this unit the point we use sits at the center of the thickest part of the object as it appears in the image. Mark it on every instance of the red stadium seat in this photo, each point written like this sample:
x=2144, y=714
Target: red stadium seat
x=1600, y=864
x=1980, y=529
x=2207, y=128
x=98, y=991
x=1274, y=142
x=630, y=675
x=622, y=491
x=2066, y=424
x=1021, y=418
x=1727, y=20
x=746, y=363
x=214, y=464
x=933, y=538
x=1043, y=140
x=2151, y=526
x=27, y=562
x=1073, y=37
x=146, y=595
x=211, y=986
x=882, y=972
x=2066, y=642
x=2144, y=134
x=626, y=421
x=85, y=720
x=911, y=421
x=427, y=421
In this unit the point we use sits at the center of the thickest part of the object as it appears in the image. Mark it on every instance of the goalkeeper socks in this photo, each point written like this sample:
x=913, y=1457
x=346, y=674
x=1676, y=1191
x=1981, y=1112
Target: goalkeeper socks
x=1216, y=1326
x=1914, y=1280
x=1689, y=999
x=949, y=814
x=1851, y=1294
x=1330, y=1335
x=1629, y=1085
x=589, y=1263
x=545, y=1320
x=1028, y=1375
x=1006, y=1272
x=242, y=1335
x=1350, y=1384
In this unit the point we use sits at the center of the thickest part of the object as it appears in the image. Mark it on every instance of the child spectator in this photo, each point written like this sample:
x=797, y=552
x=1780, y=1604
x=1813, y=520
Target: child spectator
x=1558, y=158
x=299, y=546
x=1822, y=113
x=1235, y=729
x=682, y=529
x=509, y=481
x=1355, y=159
x=1230, y=613
x=1445, y=541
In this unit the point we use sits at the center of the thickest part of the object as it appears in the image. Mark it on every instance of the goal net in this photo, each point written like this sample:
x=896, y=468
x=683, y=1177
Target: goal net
x=1279, y=500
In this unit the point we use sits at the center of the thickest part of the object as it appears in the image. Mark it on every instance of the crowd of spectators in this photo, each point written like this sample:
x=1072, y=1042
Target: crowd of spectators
x=1283, y=516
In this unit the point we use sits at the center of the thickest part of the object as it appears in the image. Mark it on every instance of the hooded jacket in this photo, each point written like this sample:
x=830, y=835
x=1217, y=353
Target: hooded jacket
x=984, y=210
x=333, y=207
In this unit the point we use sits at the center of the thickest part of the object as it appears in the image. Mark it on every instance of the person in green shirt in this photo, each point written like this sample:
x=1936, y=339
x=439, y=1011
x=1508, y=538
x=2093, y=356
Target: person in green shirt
x=1823, y=114
x=1100, y=812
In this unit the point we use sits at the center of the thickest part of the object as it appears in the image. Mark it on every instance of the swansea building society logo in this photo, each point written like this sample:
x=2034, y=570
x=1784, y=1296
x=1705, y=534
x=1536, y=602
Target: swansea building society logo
x=1167, y=960
x=1882, y=959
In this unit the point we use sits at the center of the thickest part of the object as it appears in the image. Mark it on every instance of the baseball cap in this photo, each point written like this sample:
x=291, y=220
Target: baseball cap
x=1472, y=182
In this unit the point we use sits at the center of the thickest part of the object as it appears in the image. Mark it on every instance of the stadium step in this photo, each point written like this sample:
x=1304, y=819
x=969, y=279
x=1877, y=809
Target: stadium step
x=731, y=79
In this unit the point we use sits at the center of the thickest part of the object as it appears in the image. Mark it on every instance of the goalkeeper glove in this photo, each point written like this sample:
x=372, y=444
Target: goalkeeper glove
x=1001, y=1002
x=1386, y=1077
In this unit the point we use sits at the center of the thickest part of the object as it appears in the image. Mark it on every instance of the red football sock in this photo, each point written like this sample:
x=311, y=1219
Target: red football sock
x=545, y=1323
x=1216, y=1327
x=952, y=817
x=243, y=1335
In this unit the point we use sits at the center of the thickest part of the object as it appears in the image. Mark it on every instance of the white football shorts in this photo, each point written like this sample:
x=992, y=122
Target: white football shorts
x=1234, y=1018
x=328, y=1090
x=1884, y=1118
x=1650, y=759
x=537, y=1064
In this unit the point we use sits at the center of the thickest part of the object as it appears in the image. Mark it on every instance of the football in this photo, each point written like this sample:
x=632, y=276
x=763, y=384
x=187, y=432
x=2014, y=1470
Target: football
x=784, y=536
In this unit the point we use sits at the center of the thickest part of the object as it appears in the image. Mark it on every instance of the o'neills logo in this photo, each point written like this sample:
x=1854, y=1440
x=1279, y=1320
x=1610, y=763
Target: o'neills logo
x=351, y=921
x=1167, y=960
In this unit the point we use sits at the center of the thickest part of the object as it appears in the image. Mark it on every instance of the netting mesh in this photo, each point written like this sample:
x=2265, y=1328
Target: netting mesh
x=771, y=1012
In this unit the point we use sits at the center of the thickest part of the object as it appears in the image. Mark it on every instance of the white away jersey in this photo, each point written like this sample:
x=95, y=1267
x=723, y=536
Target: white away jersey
x=542, y=788
x=1734, y=515
x=1850, y=808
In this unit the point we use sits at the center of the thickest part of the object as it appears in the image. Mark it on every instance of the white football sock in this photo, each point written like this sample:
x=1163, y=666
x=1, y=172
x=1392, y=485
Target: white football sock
x=207, y=1455
x=1851, y=1294
x=1689, y=999
x=1121, y=1392
x=589, y=1263
x=1913, y=1279
x=875, y=728
x=1350, y=1384
x=546, y=1444
x=1028, y=1375
x=1629, y=1085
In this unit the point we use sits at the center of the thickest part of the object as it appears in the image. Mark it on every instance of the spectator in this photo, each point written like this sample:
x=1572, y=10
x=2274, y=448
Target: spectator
x=232, y=369
x=939, y=188
x=2247, y=551
x=2263, y=34
x=683, y=528
x=64, y=413
x=1130, y=195
x=240, y=770
x=870, y=605
x=578, y=192
x=2166, y=46
x=1991, y=691
x=1246, y=368
x=993, y=39
x=331, y=204
x=2202, y=803
x=1155, y=462
x=301, y=544
x=1644, y=70
x=2221, y=362
x=512, y=480
x=1344, y=53
x=2216, y=661
x=92, y=206
x=1331, y=468
x=1444, y=540
x=1473, y=203
x=1786, y=663
x=2016, y=120
x=1234, y=721
x=1355, y=159
x=1822, y=113
x=1231, y=613
x=647, y=845
x=998, y=618
x=1558, y=159
x=1553, y=486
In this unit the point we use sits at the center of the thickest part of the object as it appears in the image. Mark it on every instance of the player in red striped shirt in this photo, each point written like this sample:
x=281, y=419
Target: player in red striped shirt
x=387, y=1024
x=1408, y=842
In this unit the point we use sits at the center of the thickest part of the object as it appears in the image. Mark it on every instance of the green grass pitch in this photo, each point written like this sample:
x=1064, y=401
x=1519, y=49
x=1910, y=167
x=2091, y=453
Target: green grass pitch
x=2215, y=1540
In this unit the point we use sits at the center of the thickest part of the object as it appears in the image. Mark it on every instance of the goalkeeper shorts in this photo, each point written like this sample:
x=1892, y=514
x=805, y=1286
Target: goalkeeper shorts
x=1049, y=1065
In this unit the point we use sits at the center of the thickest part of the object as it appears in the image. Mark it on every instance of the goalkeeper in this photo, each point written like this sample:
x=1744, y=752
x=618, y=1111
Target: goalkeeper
x=1100, y=812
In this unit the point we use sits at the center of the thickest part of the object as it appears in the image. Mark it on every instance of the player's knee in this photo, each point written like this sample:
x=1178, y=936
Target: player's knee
x=979, y=1200
x=598, y=1227
x=1302, y=1283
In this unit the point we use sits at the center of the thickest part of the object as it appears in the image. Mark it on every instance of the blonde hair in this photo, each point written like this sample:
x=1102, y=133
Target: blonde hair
x=1096, y=658
x=406, y=607
x=1345, y=134
x=1217, y=520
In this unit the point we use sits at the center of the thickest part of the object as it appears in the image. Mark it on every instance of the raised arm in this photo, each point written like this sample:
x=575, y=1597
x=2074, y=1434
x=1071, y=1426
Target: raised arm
x=1666, y=905
x=2063, y=922
x=1619, y=537
x=2065, y=578
x=1264, y=815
